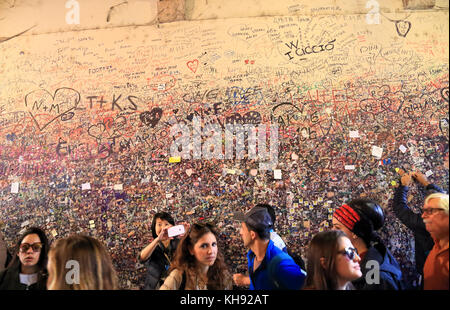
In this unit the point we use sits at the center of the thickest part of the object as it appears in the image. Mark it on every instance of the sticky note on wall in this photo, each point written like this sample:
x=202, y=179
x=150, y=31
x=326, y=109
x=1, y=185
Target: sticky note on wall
x=118, y=187
x=354, y=134
x=86, y=186
x=277, y=174
x=15, y=187
x=377, y=151
x=175, y=159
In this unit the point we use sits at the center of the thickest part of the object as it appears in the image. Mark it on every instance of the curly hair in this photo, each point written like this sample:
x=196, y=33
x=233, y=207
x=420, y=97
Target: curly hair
x=219, y=277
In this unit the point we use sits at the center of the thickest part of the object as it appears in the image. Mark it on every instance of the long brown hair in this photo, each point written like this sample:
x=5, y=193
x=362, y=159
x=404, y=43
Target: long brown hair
x=324, y=245
x=96, y=271
x=219, y=278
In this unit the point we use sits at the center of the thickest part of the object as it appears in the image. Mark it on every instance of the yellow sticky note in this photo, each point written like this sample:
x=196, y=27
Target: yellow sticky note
x=393, y=183
x=397, y=169
x=175, y=159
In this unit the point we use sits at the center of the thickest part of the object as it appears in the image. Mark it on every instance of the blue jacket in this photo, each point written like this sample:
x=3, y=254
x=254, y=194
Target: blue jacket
x=390, y=276
x=423, y=243
x=277, y=271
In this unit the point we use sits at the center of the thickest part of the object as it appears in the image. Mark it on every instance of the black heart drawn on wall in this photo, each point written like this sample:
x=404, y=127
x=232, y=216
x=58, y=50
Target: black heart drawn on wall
x=151, y=118
x=42, y=105
x=403, y=27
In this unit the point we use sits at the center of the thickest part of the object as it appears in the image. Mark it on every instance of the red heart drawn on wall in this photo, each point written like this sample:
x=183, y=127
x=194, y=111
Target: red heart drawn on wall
x=193, y=65
x=43, y=106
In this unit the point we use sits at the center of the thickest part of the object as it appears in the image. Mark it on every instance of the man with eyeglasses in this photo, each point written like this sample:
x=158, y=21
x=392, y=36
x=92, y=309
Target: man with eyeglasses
x=435, y=217
x=423, y=242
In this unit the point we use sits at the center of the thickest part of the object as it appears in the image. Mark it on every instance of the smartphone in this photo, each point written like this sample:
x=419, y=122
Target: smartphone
x=175, y=231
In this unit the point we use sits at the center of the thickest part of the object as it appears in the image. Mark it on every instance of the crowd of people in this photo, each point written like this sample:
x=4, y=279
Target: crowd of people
x=349, y=255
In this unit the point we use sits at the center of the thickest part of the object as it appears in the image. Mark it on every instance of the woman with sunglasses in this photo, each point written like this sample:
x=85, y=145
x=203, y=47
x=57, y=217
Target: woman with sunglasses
x=360, y=219
x=27, y=270
x=198, y=264
x=333, y=262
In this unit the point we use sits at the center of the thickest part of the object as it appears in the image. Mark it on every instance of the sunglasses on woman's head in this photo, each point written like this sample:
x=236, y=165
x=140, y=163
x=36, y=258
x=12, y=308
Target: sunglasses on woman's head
x=26, y=246
x=349, y=252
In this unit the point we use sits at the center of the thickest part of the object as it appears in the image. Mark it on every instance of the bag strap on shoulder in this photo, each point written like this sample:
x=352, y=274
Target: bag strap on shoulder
x=183, y=281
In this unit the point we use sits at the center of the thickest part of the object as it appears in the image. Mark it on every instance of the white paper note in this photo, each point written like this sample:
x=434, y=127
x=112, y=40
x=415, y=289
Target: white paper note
x=118, y=187
x=354, y=134
x=403, y=148
x=15, y=187
x=277, y=174
x=377, y=151
x=86, y=186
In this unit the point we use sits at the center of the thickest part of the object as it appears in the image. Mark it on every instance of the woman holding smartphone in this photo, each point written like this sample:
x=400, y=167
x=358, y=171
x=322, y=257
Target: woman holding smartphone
x=158, y=255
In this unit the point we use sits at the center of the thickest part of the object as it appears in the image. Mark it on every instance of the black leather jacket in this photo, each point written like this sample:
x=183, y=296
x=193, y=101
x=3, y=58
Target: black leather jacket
x=10, y=280
x=158, y=263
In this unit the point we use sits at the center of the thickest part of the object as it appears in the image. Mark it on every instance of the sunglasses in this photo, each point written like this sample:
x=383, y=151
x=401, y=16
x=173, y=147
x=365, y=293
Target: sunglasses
x=349, y=252
x=24, y=247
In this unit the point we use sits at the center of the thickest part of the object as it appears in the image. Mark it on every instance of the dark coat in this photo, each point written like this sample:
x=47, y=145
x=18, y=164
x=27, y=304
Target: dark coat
x=158, y=263
x=9, y=280
x=423, y=243
x=390, y=276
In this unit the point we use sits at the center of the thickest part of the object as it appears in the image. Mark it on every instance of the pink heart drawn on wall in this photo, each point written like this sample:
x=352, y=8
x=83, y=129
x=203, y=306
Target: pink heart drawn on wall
x=193, y=65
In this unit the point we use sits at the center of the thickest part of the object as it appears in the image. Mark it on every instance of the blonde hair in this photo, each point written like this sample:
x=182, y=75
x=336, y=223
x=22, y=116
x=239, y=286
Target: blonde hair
x=443, y=200
x=95, y=266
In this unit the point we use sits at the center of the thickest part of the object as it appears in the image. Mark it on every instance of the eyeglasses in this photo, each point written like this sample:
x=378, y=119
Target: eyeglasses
x=429, y=211
x=24, y=247
x=349, y=252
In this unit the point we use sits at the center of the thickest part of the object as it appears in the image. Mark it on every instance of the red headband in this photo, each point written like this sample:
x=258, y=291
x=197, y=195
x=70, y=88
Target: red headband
x=347, y=216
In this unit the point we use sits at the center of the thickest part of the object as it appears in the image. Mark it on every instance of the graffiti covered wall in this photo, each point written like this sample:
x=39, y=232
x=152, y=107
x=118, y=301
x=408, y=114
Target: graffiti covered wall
x=86, y=118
